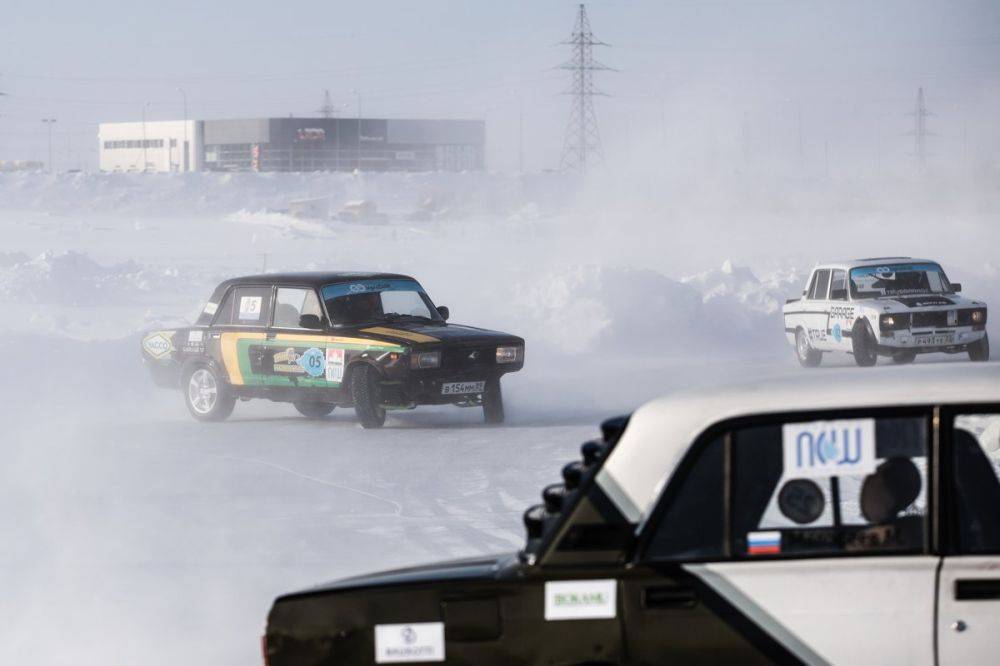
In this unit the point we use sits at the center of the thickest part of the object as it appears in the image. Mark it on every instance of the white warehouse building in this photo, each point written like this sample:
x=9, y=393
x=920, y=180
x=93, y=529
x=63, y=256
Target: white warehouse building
x=155, y=146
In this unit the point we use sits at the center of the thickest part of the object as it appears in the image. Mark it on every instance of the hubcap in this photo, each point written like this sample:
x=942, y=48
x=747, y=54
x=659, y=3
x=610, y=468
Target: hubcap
x=803, y=345
x=202, y=391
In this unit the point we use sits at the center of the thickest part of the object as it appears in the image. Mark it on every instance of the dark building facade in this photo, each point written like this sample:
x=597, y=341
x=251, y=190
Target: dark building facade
x=343, y=144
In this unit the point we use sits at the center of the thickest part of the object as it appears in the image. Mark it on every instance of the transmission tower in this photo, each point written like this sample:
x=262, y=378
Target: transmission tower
x=327, y=110
x=583, y=140
x=920, y=131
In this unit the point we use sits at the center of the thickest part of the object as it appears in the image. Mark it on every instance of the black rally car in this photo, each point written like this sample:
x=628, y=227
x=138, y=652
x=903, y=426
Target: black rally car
x=374, y=341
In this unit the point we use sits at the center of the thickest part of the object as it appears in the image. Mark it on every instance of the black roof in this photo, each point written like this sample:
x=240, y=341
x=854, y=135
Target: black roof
x=313, y=278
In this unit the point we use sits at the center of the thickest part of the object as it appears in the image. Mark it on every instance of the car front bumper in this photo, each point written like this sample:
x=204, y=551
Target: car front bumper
x=925, y=341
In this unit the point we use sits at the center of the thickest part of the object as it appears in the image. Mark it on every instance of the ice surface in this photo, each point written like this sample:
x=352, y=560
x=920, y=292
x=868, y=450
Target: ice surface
x=135, y=535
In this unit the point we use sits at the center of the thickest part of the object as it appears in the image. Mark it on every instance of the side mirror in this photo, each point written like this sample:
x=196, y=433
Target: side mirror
x=956, y=287
x=443, y=311
x=311, y=321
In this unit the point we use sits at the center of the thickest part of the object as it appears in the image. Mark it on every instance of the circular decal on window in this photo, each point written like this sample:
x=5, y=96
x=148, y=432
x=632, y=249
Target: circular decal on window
x=801, y=501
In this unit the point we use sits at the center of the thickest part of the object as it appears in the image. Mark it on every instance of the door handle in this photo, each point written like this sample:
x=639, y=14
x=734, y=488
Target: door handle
x=977, y=589
x=669, y=596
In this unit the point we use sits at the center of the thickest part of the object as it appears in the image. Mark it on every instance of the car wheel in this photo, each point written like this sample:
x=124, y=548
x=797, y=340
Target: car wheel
x=864, y=344
x=980, y=350
x=903, y=357
x=208, y=397
x=314, y=410
x=493, y=402
x=367, y=393
x=808, y=357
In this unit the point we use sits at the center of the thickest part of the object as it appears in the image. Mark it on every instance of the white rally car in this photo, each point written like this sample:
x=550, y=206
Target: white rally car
x=886, y=306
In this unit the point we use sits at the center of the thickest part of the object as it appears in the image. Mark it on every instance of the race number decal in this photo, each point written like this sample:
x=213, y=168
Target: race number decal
x=250, y=308
x=829, y=448
x=580, y=599
x=313, y=361
x=335, y=365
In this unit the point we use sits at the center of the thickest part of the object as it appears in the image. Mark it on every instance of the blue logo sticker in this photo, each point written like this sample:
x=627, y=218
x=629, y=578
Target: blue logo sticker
x=837, y=334
x=313, y=361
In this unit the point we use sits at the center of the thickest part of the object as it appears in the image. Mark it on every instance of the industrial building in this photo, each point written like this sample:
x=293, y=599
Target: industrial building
x=293, y=144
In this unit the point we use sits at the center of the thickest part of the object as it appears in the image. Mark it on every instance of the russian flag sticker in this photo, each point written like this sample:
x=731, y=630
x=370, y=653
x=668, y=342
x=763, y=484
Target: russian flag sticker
x=764, y=543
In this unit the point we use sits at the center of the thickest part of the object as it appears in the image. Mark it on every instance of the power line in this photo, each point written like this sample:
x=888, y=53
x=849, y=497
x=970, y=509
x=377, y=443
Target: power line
x=583, y=140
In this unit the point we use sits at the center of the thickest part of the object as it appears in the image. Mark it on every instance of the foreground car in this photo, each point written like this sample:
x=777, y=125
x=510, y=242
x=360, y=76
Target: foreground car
x=889, y=306
x=817, y=522
x=319, y=340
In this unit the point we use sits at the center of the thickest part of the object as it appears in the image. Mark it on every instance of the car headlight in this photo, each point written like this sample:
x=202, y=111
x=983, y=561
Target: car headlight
x=509, y=354
x=426, y=360
x=893, y=322
x=978, y=316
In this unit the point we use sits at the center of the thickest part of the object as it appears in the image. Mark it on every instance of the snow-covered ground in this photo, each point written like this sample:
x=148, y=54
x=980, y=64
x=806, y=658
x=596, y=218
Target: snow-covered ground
x=135, y=535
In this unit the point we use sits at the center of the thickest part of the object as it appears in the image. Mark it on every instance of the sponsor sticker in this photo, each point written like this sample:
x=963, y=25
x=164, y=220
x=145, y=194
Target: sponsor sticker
x=211, y=308
x=829, y=448
x=407, y=643
x=581, y=599
x=196, y=336
x=334, y=365
x=250, y=307
x=158, y=344
x=838, y=334
x=313, y=361
x=764, y=543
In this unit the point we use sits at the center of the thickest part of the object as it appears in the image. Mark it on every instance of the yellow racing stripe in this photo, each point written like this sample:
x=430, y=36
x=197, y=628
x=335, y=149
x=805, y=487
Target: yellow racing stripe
x=396, y=333
x=229, y=356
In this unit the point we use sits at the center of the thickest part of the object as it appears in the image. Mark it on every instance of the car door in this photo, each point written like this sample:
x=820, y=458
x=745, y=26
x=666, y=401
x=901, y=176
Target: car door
x=794, y=539
x=239, y=328
x=969, y=587
x=812, y=312
x=841, y=312
x=299, y=357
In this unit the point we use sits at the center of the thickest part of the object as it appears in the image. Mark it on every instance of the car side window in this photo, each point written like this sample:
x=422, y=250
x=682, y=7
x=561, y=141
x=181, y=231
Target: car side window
x=812, y=285
x=692, y=525
x=976, y=482
x=245, y=306
x=838, y=285
x=820, y=286
x=855, y=485
x=291, y=303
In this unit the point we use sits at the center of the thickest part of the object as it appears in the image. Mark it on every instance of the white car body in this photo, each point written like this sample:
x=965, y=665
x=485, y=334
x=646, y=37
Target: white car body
x=937, y=604
x=937, y=320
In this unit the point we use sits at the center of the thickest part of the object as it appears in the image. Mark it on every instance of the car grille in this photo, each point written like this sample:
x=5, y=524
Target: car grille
x=940, y=319
x=472, y=357
x=930, y=319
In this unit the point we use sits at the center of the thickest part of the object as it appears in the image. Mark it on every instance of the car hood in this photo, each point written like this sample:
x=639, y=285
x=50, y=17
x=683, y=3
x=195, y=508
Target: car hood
x=431, y=333
x=481, y=568
x=936, y=301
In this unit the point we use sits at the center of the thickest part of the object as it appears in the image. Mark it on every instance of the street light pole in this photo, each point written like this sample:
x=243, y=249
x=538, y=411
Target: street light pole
x=184, y=148
x=50, y=122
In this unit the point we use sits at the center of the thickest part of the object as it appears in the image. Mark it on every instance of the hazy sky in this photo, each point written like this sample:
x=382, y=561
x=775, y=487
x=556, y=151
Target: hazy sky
x=696, y=79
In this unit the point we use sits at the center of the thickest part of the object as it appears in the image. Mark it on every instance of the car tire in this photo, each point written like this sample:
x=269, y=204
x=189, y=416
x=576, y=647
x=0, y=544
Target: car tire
x=980, y=349
x=493, y=402
x=314, y=410
x=207, y=395
x=864, y=344
x=366, y=390
x=807, y=356
x=903, y=357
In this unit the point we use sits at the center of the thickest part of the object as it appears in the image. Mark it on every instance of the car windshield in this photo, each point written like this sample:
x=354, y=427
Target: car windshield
x=898, y=280
x=368, y=301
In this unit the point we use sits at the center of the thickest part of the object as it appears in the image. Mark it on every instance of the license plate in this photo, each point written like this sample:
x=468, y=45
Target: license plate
x=934, y=340
x=462, y=388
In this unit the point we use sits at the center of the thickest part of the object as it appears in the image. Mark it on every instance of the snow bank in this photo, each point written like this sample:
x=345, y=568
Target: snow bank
x=73, y=278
